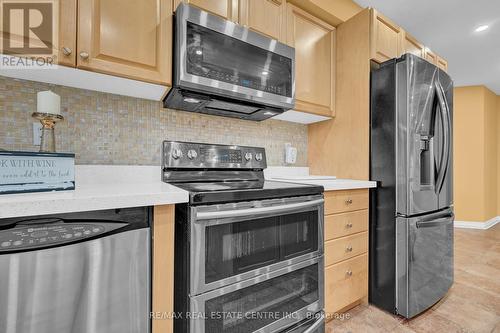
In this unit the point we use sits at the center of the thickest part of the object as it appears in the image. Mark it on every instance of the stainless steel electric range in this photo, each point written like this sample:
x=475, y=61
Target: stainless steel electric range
x=248, y=252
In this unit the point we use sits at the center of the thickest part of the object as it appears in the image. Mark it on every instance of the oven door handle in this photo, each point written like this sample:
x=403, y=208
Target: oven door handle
x=316, y=325
x=256, y=211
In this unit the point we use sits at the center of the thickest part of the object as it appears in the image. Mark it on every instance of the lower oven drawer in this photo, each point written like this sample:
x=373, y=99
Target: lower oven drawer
x=345, y=283
x=267, y=303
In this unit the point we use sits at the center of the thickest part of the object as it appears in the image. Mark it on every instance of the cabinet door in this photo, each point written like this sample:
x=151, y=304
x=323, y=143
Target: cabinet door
x=67, y=33
x=346, y=283
x=227, y=9
x=314, y=42
x=126, y=38
x=431, y=56
x=411, y=45
x=385, y=38
x=263, y=16
x=442, y=63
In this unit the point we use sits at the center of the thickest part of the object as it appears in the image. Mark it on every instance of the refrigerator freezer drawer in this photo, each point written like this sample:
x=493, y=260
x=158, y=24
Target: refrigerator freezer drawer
x=424, y=261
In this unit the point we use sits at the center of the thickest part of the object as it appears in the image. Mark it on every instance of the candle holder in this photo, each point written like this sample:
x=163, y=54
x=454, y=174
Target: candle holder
x=48, y=139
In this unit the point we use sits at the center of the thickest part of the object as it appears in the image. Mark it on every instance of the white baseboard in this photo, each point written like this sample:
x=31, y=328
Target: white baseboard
x=477, y=225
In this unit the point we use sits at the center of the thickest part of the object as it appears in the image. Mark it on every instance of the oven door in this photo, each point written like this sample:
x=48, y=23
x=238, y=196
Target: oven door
x=268, y=303
x=219, y=57
x=234, y=242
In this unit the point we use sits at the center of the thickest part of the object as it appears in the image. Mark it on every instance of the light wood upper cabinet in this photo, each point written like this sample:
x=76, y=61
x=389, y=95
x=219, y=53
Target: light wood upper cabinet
x=411, y=45
x=264, y=16
x=385, y=38
x=227, y=9
x=67, y=32
x=442, y=63
x=314, y=42
x=126, y=38
x=431, y=56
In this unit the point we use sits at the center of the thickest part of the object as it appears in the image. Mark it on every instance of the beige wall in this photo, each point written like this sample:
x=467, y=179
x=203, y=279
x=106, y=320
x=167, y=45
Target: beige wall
x=476, y=153
x=468, y=153
x=490, y=158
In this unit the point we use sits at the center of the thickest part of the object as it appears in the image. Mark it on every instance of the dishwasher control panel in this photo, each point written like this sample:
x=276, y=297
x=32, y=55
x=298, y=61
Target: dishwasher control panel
x=27, y=237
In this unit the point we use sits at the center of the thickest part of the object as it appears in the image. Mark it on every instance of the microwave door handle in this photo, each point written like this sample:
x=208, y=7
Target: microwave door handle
x=445, y=117
x=256, y=211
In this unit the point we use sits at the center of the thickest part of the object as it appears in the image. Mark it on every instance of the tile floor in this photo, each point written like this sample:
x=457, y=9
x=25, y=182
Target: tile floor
x=471, y=306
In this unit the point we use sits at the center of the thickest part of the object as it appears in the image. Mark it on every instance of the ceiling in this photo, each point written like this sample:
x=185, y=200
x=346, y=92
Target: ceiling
x=447, y=27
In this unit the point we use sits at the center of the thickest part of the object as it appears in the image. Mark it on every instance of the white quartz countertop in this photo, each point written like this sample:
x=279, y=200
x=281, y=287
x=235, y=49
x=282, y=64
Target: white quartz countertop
x=107, y=187
x=301, y=175
x=97, y=187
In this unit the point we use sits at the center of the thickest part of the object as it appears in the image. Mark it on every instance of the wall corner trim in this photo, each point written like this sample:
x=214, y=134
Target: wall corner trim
x=477, y=225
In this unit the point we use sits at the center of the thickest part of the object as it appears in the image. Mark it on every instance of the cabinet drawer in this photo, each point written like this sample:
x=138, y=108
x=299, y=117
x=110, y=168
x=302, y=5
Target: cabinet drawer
x=346, y=283
x=345, y=201
x=344, y=224
x=346, y=247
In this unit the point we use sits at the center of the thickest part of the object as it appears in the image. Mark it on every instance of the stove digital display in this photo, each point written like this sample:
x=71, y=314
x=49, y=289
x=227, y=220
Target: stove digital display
x=222, y=155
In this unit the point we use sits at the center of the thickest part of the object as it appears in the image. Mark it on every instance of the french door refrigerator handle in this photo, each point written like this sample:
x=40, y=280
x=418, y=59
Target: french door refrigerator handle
x=445, y=116
x=437, y=222
x=256, y=211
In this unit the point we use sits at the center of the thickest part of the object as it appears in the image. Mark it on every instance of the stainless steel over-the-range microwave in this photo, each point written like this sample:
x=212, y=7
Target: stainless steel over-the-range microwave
x=225, y=69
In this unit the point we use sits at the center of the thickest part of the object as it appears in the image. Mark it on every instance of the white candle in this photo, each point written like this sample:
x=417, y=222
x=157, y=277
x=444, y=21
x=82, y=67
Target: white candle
x=48, y=102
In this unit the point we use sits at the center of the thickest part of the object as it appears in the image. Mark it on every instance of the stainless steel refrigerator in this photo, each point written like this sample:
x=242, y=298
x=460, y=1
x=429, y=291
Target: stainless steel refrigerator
x=411, y=222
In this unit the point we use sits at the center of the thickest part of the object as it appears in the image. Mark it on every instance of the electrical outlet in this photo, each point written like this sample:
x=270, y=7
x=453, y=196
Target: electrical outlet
x=37, y=133
x=290, y=154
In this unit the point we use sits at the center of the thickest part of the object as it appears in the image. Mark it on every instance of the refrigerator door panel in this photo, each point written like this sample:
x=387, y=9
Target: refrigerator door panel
x=424, y=261
x=417, y=150
x=445, y=179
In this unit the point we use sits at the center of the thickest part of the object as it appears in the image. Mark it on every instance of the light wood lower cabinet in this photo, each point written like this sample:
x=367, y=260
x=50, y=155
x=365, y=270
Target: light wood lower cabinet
x=340, y=225
x=163, y=267
x=346, y=249
x=345, y=201
x=345, y=283
x=126, y=38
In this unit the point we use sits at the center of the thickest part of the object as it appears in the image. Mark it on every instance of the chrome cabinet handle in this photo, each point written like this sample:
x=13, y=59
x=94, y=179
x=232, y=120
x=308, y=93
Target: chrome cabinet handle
x=84, y=55
x=348, y=273
x=348, y=225
x=348, y=248
x=348, y=201
x=66, y=50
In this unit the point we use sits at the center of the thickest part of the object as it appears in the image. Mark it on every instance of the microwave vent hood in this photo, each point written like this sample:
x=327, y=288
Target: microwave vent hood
x=224, y=69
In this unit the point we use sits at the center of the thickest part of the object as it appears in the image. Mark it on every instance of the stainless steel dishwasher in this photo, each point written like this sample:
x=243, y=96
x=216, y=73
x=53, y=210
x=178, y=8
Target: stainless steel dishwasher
x=83, y=272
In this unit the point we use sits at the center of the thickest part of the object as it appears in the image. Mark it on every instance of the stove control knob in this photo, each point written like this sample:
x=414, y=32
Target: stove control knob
x=248, y=156
x=192, y=154
x=176, y=153
x=258, y=157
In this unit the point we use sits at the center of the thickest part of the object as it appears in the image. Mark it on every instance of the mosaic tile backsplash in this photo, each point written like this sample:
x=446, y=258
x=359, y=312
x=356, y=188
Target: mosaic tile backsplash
x=104, y=128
